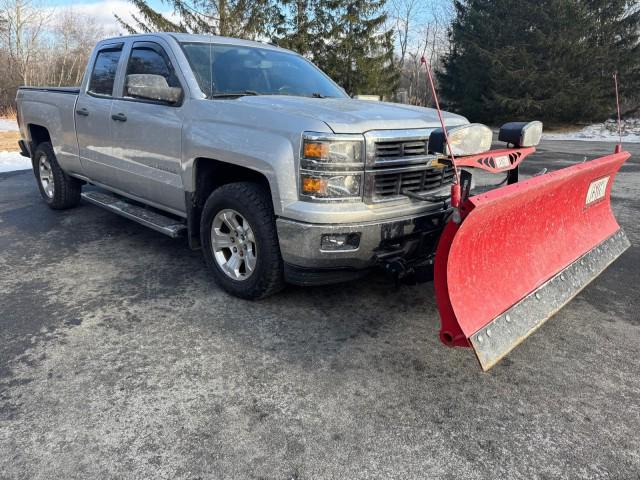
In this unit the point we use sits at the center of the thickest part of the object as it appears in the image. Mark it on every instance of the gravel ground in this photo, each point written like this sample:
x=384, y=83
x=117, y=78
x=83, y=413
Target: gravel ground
x=119, y=358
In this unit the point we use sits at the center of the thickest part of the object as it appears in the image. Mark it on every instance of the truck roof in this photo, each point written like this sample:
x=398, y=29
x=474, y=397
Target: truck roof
x=191, y=37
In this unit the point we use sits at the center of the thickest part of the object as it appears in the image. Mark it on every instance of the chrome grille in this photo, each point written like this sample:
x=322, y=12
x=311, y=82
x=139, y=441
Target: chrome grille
x=385, y=150
x=388, y=148
x=398, y=160
x=388, y=185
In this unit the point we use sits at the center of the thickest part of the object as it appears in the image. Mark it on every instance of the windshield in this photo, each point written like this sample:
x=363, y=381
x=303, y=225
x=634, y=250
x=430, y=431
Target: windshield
x=226, y=70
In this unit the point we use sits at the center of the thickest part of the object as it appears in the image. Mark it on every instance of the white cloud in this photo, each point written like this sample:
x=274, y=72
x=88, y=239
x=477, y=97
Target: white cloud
x=103, y=12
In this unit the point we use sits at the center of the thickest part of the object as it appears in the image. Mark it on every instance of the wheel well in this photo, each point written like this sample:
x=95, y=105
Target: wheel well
x=209, y=175
x=38, y=134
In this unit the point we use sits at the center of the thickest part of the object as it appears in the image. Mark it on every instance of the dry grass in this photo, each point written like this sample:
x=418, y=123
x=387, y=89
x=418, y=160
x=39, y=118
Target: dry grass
x=9, y=113
x=9, y=141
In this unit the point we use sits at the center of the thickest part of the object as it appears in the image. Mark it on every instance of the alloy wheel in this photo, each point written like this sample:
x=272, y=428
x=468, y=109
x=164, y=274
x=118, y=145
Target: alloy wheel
x=233, y=244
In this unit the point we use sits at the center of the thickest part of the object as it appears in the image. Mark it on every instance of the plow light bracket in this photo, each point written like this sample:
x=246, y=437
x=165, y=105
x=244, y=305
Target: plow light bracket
x=467, y=139
x=521, y=134
x=496, y=161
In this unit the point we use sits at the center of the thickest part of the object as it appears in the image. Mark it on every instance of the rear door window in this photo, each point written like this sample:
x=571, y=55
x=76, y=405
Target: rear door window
x=104, y=71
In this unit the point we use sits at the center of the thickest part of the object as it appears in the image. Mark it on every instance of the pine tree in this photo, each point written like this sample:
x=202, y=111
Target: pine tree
x=357, y=51
x=523, y=59
x=614, y=46
x=248, y=19
x=299, y=28
x=148, y=20
x=345, y=38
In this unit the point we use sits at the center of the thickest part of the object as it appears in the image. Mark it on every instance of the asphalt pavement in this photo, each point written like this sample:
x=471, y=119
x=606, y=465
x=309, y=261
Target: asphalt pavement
x=120, y=358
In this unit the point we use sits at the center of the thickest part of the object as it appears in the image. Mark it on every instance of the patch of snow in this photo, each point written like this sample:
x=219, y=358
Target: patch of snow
x=10, y=161
x=7, y=125
x=602, y=132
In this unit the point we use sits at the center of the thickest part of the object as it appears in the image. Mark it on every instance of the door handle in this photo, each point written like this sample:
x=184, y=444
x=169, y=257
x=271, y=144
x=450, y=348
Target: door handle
x=82, y=112
x=119, y=117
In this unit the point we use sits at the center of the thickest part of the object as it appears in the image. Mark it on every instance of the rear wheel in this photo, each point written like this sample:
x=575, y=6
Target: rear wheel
x=240, y=242
x=58, y=189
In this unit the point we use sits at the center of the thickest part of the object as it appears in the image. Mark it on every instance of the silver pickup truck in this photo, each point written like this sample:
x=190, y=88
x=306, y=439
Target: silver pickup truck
x=249, y=150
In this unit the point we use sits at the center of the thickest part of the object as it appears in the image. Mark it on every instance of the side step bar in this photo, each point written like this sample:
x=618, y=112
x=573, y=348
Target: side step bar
x=144, y=216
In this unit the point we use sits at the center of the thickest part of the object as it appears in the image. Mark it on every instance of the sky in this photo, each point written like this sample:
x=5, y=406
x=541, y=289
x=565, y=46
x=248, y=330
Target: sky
x=102, y=10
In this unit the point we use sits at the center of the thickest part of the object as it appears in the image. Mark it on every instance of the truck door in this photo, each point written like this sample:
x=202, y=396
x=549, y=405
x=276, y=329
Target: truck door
x=147, y=130
x=93, y=115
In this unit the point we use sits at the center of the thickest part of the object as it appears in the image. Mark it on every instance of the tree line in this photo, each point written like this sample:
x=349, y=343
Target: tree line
x=495, y=59
x=349, y=40
x=39, y=46
x=547, y=59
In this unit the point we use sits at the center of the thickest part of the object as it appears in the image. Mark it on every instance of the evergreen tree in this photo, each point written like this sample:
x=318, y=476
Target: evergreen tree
x=614, y=46
x=148, y=20
x=248, y=19
x=298, y=29
x=345, y=38
x=523, y=59
x=357, y=50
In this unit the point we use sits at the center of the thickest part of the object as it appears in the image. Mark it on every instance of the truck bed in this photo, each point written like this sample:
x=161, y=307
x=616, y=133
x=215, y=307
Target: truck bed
x=52, y=108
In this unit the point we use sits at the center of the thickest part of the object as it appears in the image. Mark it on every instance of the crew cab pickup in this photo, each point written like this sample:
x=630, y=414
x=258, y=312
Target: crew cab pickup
x=248, y=150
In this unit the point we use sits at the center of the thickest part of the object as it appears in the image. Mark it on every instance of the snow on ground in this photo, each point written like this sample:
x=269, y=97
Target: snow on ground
x=7, y=125
x=10, y=161
x=602, y=132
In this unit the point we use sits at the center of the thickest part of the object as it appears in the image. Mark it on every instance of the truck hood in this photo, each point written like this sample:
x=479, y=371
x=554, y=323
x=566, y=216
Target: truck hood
x=345, y=115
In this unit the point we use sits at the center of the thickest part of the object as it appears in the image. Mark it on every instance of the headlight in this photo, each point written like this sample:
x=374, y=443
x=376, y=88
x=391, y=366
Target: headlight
x=330, y=186
x=465, y=140
x=327, y=152
x=331, y=167
x=521, y=134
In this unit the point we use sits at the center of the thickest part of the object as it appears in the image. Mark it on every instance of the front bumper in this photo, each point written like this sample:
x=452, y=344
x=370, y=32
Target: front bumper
x=406, y=237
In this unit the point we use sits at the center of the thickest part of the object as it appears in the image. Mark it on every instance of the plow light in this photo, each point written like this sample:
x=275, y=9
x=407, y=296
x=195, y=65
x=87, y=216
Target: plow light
x=521, y=134
x=464, y=140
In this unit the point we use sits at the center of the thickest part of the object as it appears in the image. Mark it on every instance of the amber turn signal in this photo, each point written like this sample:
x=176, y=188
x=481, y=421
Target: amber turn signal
x=316, y=150
x=313, y=185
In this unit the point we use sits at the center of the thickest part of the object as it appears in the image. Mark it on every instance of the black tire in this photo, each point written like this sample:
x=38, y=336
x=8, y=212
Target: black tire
x=253, y=202
x=66, y=190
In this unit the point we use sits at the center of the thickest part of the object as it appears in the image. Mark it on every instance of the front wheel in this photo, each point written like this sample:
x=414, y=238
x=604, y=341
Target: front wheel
x=58, y=189
x=240, y=242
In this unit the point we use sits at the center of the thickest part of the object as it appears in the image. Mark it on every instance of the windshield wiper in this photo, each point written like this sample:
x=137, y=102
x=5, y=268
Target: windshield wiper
x=234, y=94
x=253, y=92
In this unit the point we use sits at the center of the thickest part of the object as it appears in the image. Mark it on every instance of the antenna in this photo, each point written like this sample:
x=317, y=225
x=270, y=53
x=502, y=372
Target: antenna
x=455, y=188
x=615, y=81
x=435, y=98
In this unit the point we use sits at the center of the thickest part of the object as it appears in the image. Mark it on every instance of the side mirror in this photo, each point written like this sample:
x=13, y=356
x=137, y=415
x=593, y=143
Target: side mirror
x=152, y=87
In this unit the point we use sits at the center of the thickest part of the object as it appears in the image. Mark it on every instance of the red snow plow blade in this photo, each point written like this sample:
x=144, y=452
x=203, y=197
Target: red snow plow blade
x=521, y=252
